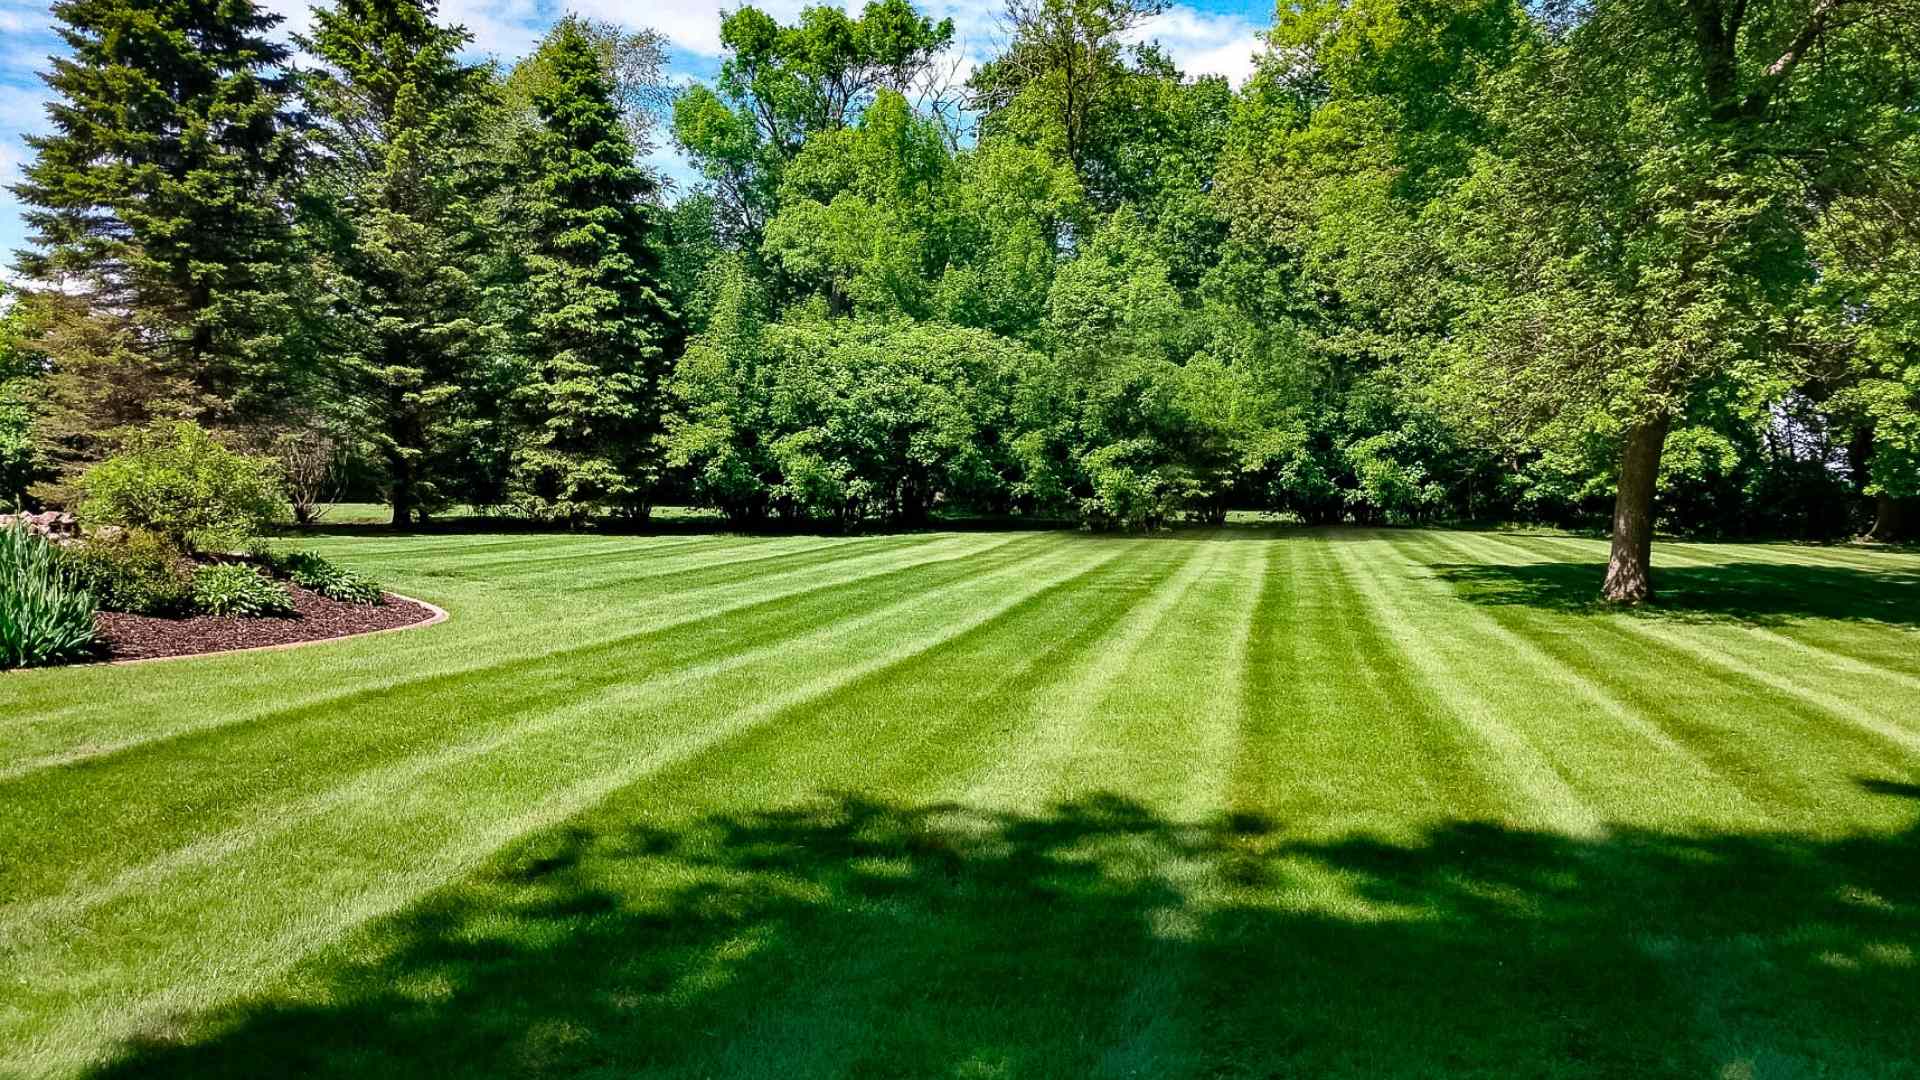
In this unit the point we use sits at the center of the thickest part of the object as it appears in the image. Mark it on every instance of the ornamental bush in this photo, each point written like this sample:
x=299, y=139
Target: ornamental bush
x=176, y=480
x=135, y=571
x=45, y=616
x=238, y=589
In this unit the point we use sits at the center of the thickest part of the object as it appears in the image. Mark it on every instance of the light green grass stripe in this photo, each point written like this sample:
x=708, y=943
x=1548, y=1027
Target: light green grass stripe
x=484, y=630
x=1723, y=719
x=1553, y=801
x=1678, y=792
x=1849, y=663
x=198, y=980
x=1341, y=736
x=884, y=743
x=1779, y=758
x=1881, y=660
x=1056, y=722
x=1196, y=724
x=270, y=820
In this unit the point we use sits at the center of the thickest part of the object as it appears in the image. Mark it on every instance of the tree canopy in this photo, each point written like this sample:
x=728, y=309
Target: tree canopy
x=1645, y=265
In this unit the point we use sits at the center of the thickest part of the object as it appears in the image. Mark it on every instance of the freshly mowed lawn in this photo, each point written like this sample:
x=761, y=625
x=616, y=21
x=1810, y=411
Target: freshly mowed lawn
x=1240, y=803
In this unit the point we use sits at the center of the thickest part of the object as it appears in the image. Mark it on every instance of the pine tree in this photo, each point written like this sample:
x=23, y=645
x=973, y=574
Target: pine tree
x=599, y=320
x=159, y=194
x=393, y=217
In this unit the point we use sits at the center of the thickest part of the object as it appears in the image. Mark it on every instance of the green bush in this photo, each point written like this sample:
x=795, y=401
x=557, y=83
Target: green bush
x=238, y=589
x=45, y=616
x=138, y=572
x=310, y=571
x=174, y=479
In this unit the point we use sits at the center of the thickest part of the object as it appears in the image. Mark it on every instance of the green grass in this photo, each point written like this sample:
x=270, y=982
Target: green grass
x=1251, y=802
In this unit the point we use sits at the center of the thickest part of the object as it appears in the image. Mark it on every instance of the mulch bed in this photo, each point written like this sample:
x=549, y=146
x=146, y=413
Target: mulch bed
x=316, y=618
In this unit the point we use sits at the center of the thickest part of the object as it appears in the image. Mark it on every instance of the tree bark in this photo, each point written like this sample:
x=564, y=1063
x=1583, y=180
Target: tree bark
x=1630, y=567
x=401, y=496
x=1892, y=519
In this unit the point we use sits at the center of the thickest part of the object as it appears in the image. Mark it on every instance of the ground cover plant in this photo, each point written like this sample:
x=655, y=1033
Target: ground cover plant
x=1227, y=802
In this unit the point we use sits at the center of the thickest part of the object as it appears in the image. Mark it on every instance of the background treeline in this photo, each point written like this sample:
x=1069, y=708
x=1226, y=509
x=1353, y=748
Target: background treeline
x=1437, y=259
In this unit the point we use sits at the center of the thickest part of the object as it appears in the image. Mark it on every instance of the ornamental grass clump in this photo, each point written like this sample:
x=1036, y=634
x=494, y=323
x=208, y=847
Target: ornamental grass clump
x=45, y=616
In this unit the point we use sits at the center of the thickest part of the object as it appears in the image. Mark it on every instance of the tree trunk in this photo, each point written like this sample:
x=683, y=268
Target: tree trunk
x=402, y=498
x=1630, y=568
x=1892, y=519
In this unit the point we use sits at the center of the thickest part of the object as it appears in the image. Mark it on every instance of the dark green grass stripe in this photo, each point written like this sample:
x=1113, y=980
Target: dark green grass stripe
x=1805, y=712
x=1466, y=688
x=1416, y=750
x=44, y=705
x=222, y=772
x=1835, y=666
x=429, y=842
x=511, y=627
x=1764, y=767
x=1682, y=640
x=409, y=772
x=617, y=574
x=1805, y=616
x=563, y=555
x=878, y=741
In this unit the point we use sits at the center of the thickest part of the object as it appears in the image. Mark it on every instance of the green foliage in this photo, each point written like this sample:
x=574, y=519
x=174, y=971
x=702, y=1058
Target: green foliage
x=235, y=589
x=177, y=480
x=392, y=210
x=46, y=616
x=600, y=325
x=310, y=571
x=845, y=422
x=159, y=193
x=20, y=459
x=136, y=571
x=779, y=85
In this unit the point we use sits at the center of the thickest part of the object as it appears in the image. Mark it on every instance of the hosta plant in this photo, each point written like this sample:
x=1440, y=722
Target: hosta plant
x=237, y=589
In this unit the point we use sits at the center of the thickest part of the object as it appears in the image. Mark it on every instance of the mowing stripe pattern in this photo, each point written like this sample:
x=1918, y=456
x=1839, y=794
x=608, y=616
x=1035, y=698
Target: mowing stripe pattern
x=1220, y=802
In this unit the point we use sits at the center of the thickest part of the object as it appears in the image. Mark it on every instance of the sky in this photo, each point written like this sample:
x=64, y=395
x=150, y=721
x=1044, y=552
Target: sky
x=1204, y=37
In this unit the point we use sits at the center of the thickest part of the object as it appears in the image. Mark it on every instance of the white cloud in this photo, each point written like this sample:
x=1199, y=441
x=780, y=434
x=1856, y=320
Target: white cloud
x=1205, y=44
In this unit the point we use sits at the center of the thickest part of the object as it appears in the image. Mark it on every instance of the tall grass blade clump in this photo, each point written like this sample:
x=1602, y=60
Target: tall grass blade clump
x=45, y=617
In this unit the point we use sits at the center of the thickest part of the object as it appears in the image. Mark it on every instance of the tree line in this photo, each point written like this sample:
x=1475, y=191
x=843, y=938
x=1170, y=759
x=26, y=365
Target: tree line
x=1651, y=262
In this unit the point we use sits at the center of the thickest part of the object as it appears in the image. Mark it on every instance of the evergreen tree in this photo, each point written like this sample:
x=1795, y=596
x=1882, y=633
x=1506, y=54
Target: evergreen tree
x=599, y=323
x=393, y=216
x=158, y=196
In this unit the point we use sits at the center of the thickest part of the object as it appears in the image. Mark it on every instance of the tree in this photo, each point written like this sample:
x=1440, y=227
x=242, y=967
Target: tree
x=1058, y=78
x=635, y=64
x=159, y=195
x=780, y=84
x=601, y=328
x=1637, y=237
x=392, y=212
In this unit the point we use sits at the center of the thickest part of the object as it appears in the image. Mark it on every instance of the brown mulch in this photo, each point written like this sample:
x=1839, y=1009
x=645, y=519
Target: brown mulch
x=316, y=618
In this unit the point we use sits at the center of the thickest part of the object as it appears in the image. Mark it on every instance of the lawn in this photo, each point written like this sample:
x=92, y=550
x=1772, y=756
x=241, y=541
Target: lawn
x=1249, y=802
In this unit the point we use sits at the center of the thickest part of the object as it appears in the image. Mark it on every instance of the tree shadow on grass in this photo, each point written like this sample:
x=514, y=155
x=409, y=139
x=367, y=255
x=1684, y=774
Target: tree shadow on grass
x=855, y=937
x=1755, y=593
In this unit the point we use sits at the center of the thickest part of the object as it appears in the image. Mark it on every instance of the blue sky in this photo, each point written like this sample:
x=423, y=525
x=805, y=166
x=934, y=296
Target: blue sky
x=1205, y=36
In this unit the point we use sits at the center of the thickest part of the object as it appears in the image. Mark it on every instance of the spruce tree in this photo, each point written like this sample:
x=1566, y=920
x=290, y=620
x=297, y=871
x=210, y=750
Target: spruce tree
x=600, y=325
x=158, y=197
x=393, y=219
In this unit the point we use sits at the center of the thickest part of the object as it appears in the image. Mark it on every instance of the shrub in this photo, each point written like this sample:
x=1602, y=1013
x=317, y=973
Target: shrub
x=310, y=571
x=45, y=616
x=138, y=572
x=237, y=589
x=174, y=479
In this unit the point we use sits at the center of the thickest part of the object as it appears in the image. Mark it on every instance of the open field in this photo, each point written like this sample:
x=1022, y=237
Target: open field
x=1234, y=803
